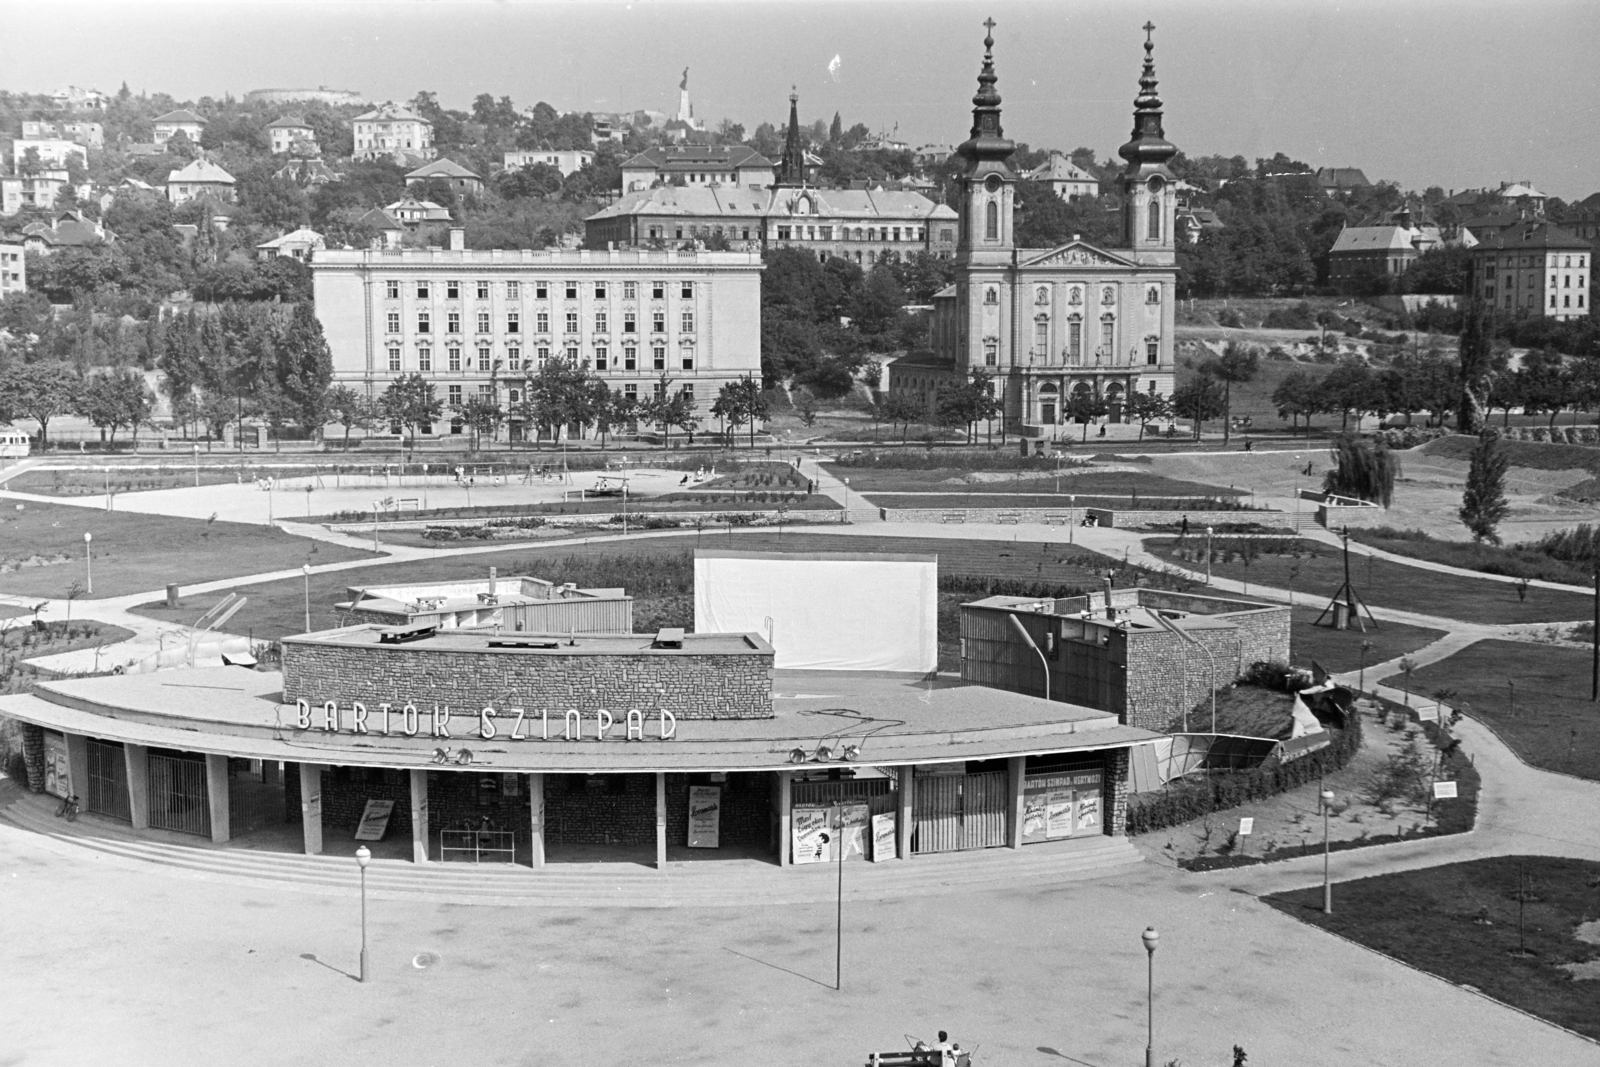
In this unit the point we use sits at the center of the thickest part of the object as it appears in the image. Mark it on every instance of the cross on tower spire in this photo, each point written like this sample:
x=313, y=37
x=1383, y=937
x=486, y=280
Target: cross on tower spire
x=1149, y=32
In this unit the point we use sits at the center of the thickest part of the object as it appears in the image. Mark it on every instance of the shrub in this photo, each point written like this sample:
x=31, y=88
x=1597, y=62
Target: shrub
x=1230, y=318
x=1275, y=675
x=1298, y=317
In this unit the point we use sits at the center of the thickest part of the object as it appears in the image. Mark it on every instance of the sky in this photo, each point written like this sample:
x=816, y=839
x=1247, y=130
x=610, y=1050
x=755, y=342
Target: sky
x=1455, y=94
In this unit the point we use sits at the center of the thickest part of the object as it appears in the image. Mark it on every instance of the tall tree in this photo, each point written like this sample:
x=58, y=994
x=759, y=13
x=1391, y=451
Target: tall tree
x=411, y=401
x=1483, y=503
x=1476, y=350
x=1362, y=470
x=1239, y=363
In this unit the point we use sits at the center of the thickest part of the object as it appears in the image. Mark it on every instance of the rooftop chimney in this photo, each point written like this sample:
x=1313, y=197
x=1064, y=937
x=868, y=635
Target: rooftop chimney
x=1111, y=612
x=458, y=239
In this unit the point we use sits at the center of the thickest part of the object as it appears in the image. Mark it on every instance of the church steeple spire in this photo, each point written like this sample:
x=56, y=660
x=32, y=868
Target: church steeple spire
x=1148, y=146
x=792, y=168
x=988, y=141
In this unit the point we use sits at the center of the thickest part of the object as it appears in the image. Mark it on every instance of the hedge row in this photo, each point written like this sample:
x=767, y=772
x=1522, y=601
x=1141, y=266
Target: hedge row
x=1183, y=801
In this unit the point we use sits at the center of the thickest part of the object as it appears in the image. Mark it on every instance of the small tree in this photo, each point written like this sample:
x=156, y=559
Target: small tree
x=1483, y=504
x=349, y=409
x=902, y=408
x=1362, y=470
x=1238, y=363
x=1147, y=407
x=805, y=405
x=411, y=401
x=484, y=416
x=1197, y=401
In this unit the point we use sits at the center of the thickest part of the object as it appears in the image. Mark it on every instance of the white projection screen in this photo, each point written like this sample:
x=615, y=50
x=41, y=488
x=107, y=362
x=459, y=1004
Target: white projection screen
x=830, y=611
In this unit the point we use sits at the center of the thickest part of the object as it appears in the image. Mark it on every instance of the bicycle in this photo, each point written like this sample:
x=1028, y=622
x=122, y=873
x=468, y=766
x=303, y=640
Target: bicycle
x=68, y=808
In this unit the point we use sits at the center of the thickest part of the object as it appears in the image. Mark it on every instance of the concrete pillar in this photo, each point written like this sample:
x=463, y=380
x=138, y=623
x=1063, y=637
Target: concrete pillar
x=1018, y=767
x=311, y=806
x=137, y=760
x=785, y=818
x=271, y=772
x=903, y=824
x=419, y=816
x=536, y=818
x=217, y=796
x=78, y=768
x=661, y=821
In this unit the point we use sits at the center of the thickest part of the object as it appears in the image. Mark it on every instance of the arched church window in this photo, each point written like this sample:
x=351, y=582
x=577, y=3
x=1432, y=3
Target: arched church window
x=991, y=295
x=1152, y=295
x=1075, y=337
x=991, y=221
x=1041, y=334
x=1108, y=328
x=1154, y=227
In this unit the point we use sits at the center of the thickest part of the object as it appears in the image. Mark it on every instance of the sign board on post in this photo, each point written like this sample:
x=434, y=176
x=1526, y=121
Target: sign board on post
x=1246, y=826
x=375, y=820
x=705, y=815
x=1428, y=713
x=883, y=837
x=1444, y=790
x=812, y=834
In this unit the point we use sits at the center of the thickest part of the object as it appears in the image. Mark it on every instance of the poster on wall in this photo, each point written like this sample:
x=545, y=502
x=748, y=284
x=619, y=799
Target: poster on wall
x=705, y=815
x=375, y=820
x=855, y=820
x=812, y=834
x=1060, y=805
x=57, y=771
x=883, y=837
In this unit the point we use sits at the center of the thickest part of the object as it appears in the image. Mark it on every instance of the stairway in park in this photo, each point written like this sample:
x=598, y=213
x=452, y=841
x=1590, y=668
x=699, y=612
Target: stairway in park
x=700, y=883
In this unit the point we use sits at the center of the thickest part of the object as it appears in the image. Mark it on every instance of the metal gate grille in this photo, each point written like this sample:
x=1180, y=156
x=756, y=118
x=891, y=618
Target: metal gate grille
x=955, y=812
x=108, y=781
x=875, y=791
x=178, y=795
x=255, y=795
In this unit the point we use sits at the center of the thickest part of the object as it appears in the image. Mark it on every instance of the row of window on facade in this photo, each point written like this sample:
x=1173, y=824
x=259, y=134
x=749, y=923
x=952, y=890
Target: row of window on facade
x=1108, y=295
x=1532, y=300
x=853, y=233
x=1073, y=350
x=1531, y=281
x=457, y=361
x=541, y=322
x=541, y=290
x=1491, y=262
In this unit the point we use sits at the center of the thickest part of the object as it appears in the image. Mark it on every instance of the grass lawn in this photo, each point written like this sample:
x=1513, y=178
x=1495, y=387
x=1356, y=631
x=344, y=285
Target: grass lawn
x=1512, y=560
x=653, y=569
x=1536, y=455
x=1460, y=921
x=1381, y=583
x=1253, y=399
x=1340, y=650
x=1121, y=484
x=1535, y=696
x=133, y=553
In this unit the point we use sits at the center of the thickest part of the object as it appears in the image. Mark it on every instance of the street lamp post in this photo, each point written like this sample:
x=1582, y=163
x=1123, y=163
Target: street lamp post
x=363, y=857
x=1208, y=555
x=1327, y=886
x=1366, y=646
x=1297, y=492
x=1150, y=939
x=196, y=466
x=88, y=563
x=305, y=569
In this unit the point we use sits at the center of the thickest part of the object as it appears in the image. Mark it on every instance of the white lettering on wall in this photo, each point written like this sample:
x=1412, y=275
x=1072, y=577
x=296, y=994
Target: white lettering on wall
x=488, y=729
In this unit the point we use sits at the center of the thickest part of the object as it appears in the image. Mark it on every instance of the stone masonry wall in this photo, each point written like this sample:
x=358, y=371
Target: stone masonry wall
x=1115, y=792
x=1160, y=664
x=737, y=686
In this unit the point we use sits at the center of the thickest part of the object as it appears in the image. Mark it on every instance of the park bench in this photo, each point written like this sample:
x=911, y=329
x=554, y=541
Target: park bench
x=914, y=1058
x=954, y=516
x=1009, y=518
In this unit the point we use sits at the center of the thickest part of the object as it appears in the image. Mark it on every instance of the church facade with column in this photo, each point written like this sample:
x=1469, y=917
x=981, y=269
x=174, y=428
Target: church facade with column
x=1049, y=324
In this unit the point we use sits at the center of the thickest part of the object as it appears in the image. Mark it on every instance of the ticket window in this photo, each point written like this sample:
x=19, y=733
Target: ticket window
x=1067, y=804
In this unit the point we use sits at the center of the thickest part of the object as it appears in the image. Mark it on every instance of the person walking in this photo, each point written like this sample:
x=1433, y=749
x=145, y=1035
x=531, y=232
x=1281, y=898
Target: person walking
x=1183, y=530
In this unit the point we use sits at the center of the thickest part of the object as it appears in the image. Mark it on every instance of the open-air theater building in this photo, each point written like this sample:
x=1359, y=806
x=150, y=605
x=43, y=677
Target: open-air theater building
x=779, y=739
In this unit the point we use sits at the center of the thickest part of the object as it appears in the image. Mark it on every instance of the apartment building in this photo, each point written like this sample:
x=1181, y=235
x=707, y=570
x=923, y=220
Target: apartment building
x=394, y=132
x=483, y=322
x=13, y=269
x=1533, y=269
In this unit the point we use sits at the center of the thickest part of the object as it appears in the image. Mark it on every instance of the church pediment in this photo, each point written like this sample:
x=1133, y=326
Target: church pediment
x=1076, y=254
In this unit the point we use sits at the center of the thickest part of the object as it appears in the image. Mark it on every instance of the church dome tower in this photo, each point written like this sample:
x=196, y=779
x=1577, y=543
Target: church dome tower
x=1149, y=200
x=988, y=184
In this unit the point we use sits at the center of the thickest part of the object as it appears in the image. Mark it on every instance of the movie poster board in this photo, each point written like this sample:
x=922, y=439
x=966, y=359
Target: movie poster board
x=1062, y=804
x=705, y=816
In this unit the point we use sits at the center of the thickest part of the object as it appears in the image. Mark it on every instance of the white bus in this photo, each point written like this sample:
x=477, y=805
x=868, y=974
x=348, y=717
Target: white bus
x=13, y=443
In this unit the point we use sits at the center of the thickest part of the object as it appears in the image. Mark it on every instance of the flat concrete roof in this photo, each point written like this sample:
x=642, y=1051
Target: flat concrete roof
x=895, y=719
x=526, y=644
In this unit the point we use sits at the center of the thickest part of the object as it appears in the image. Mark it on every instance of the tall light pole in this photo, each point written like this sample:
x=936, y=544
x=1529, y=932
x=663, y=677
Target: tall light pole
x=305, y=569
x=1327, y=886
x=1208, y=555
x=1366, y=646
x=1150, y=939
x=196, y=466
x=363, y=857
x=88, y=563
x=1297, y=492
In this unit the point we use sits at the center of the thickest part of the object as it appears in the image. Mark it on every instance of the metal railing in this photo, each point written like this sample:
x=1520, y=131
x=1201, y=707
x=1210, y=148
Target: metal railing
x=108, y=781
x=178, y=795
